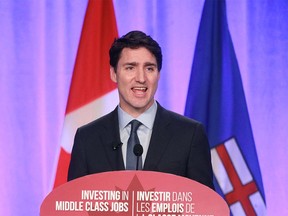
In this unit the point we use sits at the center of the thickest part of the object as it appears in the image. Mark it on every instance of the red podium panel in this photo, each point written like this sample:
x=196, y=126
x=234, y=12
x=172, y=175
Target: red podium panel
x=133, y=193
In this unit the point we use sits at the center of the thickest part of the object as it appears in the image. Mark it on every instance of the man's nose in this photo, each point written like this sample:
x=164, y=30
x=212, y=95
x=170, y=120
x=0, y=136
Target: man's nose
x=140, y=76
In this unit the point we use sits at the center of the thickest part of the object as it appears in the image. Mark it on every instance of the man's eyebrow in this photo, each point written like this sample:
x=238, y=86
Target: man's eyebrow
x=150, y=64
x=131, y=63
x=145, y=64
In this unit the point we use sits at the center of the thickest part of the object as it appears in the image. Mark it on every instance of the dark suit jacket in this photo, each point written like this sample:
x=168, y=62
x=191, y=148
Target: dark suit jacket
x=178, y=145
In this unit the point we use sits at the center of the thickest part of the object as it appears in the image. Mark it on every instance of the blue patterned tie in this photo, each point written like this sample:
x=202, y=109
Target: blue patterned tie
x=131, y=158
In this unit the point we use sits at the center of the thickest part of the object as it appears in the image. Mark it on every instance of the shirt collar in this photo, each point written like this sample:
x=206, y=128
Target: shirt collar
x=147, y=118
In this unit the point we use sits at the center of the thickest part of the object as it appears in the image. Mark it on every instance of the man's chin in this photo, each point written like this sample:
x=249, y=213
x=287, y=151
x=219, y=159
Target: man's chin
x=142, y=106
x=138, y=106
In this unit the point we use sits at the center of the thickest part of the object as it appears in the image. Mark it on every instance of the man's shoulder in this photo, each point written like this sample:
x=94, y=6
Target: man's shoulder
x=176, y=117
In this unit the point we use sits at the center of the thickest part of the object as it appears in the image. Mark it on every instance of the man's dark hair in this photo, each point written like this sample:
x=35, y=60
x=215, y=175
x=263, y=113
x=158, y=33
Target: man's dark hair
x=134, y=40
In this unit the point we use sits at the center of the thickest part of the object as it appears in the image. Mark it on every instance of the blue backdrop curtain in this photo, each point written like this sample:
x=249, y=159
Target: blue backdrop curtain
x=38, y=44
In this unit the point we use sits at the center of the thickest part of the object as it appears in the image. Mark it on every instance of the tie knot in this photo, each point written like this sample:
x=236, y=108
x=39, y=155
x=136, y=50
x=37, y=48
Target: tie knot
x=135, y=125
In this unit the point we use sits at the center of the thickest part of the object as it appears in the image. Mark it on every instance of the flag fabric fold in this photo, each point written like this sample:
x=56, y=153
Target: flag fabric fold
x=92, y=93
x=216, y=98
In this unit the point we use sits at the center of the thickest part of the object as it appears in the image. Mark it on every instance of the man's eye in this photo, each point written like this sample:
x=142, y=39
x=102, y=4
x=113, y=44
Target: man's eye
x=150, y=68
x=129, y=68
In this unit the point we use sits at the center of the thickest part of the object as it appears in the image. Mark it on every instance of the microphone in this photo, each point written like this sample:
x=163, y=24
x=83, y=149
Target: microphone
x=117, y=145
x=138, y=151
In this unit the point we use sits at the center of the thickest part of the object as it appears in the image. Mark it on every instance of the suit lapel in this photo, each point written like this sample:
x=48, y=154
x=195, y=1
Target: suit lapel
x=111, y=141
x=159, y=140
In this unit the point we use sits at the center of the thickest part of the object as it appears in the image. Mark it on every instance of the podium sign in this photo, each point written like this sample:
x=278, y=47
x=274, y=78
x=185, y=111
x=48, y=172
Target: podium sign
x=133, y=193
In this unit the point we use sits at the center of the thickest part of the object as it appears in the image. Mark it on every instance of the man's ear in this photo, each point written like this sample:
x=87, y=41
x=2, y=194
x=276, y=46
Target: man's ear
x=113, y=75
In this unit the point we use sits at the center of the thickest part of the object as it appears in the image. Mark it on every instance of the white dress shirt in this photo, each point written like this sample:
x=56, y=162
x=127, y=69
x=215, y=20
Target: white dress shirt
x=144, y=131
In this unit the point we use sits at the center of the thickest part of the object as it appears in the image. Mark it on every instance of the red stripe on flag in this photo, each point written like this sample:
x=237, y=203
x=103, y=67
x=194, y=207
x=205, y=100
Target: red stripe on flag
x=61, y=173
x=91, y=76
x=241, y=192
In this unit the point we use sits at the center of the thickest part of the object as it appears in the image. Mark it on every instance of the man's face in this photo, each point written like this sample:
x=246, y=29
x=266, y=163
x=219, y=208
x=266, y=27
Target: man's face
x=137, y=78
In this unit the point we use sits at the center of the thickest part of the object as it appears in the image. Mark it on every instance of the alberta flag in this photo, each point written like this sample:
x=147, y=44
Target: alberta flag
x=216, y=98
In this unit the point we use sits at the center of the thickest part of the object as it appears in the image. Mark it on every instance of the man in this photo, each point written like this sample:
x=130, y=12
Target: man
x=171, y=143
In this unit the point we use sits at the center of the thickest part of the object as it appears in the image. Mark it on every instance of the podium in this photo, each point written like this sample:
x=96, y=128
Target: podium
x=133, y=193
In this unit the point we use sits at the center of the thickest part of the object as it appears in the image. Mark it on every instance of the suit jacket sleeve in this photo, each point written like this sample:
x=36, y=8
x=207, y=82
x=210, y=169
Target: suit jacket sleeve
x=77, y=167
x=199, y=162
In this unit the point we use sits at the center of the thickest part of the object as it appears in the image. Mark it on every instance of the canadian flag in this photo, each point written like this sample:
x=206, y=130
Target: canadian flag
x=92, y=93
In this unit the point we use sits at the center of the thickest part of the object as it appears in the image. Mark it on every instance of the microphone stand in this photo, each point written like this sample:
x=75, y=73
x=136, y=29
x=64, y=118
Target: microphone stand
x=137, y=163
x=138, y=151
